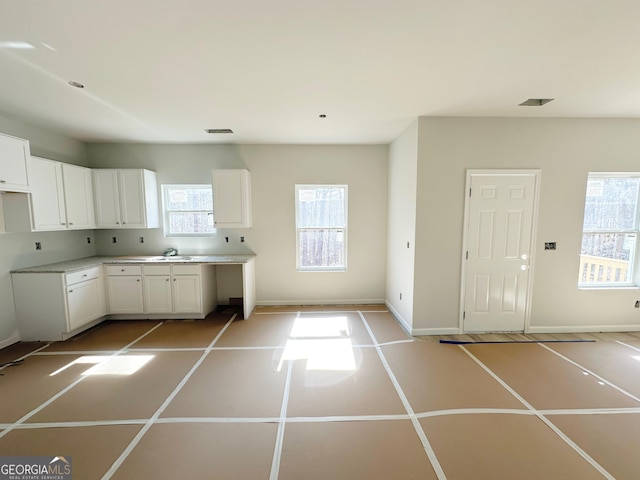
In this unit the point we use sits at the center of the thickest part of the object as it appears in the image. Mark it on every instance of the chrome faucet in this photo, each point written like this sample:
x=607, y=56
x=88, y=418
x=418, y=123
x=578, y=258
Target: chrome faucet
x=170, y=252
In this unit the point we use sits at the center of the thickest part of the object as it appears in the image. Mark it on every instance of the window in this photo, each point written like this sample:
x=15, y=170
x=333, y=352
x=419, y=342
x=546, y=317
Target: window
x=321, y=227
x=188, y=210
x=610, y=230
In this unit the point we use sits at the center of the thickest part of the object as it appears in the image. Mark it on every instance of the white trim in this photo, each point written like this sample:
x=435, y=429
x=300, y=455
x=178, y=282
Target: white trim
x=9, y=341
x=537, y=173
x=315, y=303
x=406, y=326
x=345, y=189
x=435, y=331
x=583, y=328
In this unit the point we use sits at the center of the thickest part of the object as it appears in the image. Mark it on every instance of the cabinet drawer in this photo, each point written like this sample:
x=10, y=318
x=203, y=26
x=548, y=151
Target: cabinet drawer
x=157, y=269
x=82, y=275
x=186, y=269
x=124, y=270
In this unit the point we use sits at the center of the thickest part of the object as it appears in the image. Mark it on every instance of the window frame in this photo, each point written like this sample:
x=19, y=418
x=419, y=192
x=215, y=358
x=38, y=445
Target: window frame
x=343, y=229
x=165, y=189
x=634, y=261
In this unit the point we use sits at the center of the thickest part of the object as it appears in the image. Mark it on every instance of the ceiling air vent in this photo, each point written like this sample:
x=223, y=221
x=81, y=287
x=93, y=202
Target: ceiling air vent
x=218, y=130
x=535, y=102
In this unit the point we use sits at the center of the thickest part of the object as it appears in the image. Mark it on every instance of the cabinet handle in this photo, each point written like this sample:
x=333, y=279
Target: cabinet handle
x=70, y=223
x=3, y=181
x=117, y=223
x=122, y=270
x=137, y=280
x=124, y=223
x=62, y=223
x=84, y=275
x=70, y=291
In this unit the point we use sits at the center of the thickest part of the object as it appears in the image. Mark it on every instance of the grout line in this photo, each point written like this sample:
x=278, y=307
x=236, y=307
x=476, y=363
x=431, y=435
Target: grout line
x=405, y=401
x=68, y=387
x=602, y=379
x=123, y=456
x=538, y=414
x=277, y=451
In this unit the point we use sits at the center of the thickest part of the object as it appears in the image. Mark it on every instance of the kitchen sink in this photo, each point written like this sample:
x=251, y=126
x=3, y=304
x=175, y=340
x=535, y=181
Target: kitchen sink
x=161, y=258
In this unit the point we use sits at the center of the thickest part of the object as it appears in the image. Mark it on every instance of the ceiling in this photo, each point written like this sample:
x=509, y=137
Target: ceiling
x=163, y=71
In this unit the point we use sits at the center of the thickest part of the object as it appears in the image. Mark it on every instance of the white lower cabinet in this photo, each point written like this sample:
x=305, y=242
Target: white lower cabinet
x=56, y=306
x=172, y=289
x=161, y=291
x=124, y=289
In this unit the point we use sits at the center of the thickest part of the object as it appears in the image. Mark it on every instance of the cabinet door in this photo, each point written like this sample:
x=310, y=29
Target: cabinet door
x=125, y=294
x=157, y=294
x=105, y=193
x=47, y=197
x=187, y=297
x=132, y=198
x=14, y=154
x=85, y=302
x=232, y=198
x=78, y=197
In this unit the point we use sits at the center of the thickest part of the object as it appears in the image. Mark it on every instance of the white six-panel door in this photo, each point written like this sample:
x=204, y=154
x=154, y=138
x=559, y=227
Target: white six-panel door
x=500, y=216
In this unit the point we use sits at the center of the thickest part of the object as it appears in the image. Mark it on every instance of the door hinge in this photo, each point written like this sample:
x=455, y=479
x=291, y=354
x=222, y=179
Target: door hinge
x=467, y=255
x=464, y=315
x=469, y=192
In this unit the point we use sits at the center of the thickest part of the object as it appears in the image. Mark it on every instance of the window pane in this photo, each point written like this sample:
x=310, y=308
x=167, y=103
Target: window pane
x=189, y=198
x=607, y=257
x=190, y=222
x=321, y=207
x=321, y=248
x=611, y=203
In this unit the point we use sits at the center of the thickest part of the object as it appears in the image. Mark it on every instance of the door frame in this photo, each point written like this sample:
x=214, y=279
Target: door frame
x=537, y=173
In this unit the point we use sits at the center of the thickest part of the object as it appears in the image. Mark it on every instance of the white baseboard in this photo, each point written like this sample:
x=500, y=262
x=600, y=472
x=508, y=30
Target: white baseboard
x=311, y=303
x=435, y=331
x=9, y=341
x=583, y=329
x=403, y=323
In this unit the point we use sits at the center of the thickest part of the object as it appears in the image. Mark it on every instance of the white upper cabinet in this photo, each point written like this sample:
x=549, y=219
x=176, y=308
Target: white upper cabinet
x=14, y=153
x=78, y=197
x=126, y=198
x=61, y=199
x=47, y=197
x=232, y=198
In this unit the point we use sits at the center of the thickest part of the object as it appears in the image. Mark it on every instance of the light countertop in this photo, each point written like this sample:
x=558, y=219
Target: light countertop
x=82, y=263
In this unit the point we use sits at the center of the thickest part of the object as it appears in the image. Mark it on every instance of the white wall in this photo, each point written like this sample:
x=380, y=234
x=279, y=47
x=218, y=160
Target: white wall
x=565, y=150
x=401, y=222
x=275, y=169
x=17, y=250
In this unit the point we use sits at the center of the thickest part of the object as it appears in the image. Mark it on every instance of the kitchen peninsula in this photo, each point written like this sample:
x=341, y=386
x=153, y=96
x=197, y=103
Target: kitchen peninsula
x=59, y=300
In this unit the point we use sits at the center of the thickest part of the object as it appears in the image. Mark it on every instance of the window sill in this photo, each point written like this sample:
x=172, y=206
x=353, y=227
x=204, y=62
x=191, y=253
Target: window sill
x=608, y=287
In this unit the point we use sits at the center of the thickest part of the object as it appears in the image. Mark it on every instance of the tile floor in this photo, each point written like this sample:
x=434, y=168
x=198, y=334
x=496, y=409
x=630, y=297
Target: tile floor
x=333, y=393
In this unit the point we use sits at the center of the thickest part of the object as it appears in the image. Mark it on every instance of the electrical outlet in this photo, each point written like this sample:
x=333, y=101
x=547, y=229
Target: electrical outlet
x=88, y=239
x=141, y=239
x=401, y=296
x=38, y=246
x=226, y=239
x=241, y=239
x=114, y=240
x=637, y=304
x=549, y=245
